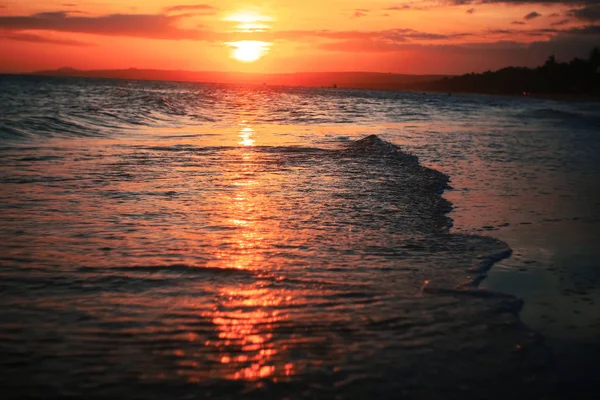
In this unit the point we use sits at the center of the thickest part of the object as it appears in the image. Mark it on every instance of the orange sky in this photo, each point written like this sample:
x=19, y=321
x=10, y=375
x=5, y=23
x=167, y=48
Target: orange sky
x=442, y=36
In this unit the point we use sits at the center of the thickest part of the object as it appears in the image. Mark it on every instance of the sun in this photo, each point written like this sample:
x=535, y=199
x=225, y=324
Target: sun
x=249, y=50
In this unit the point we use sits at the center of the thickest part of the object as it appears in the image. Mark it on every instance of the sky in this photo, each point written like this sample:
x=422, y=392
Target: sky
x=412, y=37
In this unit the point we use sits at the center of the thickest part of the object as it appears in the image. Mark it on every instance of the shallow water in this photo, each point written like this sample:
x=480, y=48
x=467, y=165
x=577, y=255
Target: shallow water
x=185, y=240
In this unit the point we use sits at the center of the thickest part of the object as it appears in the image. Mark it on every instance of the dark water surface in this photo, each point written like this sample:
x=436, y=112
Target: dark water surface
x=163, y=240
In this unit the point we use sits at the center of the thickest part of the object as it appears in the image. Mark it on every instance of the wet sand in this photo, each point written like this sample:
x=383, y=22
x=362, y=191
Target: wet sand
x=555, y=270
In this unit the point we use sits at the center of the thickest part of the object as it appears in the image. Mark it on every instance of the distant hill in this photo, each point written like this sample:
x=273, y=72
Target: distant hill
x=357, y=80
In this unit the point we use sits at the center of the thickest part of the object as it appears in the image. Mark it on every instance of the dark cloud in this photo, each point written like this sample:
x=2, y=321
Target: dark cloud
x=561, y=22
x=502, y=31
x=373, y=41
x=193, y=7
x=532, y=15
x=479, y=57
x=162, y=26
x=585, y=30
x=53, y=14
x=522, y=32
x=404, y=39
x=565, y=2
x=409, y=6
x=134, y=25
x=518, y=23
x=377, y=46
x=390, y=36
x=470, y=11
x=28, y=37
x=589, y=13
x=165, y=27
x=398, y=8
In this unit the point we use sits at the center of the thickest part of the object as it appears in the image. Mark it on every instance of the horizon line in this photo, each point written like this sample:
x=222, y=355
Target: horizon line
x=223, y=72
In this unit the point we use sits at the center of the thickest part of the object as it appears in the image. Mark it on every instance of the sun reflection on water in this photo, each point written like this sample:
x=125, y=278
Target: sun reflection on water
x=246, y=134
x=245, y=344
x=245, y=316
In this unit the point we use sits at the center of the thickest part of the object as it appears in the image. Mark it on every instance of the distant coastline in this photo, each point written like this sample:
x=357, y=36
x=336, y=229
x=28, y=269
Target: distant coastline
x=342, y=80
x=575, y=80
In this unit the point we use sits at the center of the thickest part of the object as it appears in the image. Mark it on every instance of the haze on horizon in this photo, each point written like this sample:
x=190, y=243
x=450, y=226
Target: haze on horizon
x=409, y=37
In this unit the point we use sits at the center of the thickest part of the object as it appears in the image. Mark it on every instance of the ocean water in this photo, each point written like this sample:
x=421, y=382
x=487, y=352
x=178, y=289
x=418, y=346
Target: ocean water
x=184, y=240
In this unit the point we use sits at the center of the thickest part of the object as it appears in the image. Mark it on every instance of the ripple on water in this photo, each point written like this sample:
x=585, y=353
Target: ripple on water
x=218, y=272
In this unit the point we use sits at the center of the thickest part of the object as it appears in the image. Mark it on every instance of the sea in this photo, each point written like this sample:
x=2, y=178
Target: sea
x=163, y=240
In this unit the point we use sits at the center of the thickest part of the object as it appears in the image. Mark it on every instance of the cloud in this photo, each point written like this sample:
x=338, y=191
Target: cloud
x=589, y=13
x=28, y=37
x=398, y=8
x=521, y=32
x=564, y=2
x=585, y=30
x=390, y=35
x=157, y=26
x=377, y=46
x=193, y=7
x=362, y=46
x=470, y=11
x=532, y=15
x=403, y=39
x=409, y=6
x=161, y=26
x=377, y=41
x=561, y=22
x=483, y=56
x=360, y=12
x=518, y=23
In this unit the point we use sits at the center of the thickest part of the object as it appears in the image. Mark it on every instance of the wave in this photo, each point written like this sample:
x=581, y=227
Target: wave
x=572, y=117
x=169, y=269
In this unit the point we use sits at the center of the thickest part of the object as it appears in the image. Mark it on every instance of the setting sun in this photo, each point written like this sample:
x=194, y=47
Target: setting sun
x=249, y=50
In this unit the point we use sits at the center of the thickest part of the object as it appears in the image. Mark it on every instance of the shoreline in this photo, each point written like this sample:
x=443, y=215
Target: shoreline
x=559, y=303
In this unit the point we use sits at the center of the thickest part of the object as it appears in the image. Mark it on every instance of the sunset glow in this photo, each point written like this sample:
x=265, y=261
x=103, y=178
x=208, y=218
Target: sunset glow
x=398, y=36
x=248, y=17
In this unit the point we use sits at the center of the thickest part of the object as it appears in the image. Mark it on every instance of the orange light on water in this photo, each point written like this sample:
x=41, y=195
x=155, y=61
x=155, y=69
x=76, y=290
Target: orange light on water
x=245, y=135
x=245, y=343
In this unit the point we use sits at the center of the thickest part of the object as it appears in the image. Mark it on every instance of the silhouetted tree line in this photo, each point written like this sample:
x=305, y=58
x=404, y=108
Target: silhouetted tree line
x=575, y=77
